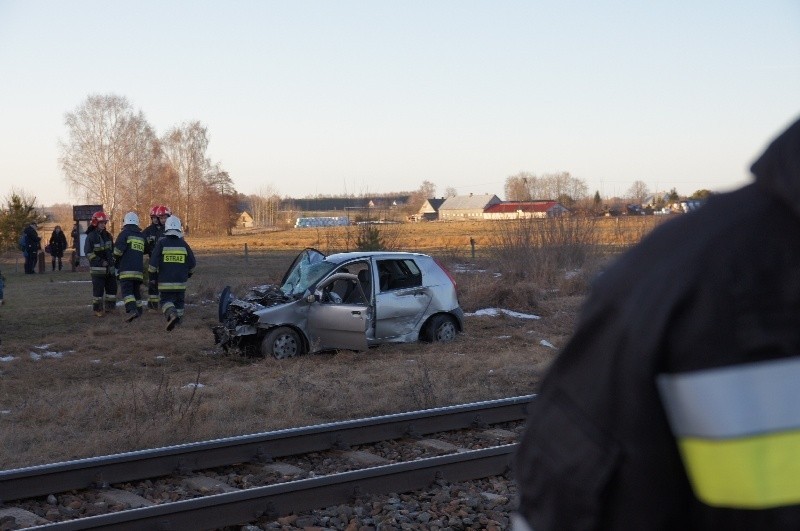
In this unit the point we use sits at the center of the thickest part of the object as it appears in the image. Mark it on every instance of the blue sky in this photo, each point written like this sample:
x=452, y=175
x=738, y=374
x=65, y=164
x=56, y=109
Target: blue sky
x=364, y=97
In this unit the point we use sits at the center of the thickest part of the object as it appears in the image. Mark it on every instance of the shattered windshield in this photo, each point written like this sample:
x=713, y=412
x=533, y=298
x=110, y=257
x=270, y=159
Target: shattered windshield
x=306, y=272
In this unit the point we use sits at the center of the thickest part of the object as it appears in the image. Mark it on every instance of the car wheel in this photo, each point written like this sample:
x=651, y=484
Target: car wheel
x=442, y=328
x=282, y=342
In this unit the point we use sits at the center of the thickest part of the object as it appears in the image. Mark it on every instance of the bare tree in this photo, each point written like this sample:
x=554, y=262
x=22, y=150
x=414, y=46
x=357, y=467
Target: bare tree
x=450, y=192
x=265, y=206
x=96, y=159
x=185, y=149
x=141, y=190
x=562, y=186
x=517, y=186
x=638, y=192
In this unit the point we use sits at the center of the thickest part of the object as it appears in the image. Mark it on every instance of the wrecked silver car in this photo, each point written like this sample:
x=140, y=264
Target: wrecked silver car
x=345, y=301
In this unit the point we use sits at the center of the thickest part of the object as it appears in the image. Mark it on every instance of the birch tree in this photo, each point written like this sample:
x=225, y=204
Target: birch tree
x=96, y=157
x=185, y=149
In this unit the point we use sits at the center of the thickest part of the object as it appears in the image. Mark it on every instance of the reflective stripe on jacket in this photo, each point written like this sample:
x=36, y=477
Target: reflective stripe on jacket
x=738, y=430
x=129, y=253
x=173, y=261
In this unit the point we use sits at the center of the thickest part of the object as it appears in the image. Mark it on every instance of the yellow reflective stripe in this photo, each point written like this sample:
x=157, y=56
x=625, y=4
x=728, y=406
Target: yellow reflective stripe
x=174, y=250
x=760, y=472
x=171, y=286
x=136, y=275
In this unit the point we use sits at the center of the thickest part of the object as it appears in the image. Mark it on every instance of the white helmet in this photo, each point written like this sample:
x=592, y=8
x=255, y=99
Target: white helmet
x=173, y=227
x=131, y=219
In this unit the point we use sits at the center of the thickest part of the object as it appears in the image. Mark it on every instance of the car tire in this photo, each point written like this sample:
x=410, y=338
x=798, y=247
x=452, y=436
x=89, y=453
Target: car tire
x=281, y=343
x=442, y=328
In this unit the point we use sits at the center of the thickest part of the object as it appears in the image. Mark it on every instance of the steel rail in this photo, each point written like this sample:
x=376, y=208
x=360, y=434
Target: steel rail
x=101, y=471
x=222, y=510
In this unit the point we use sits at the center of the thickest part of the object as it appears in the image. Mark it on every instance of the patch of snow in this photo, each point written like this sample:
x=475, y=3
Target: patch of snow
x=546, y=343
x=41, y=347
x=35, y=356
x=5, y=411
x=572, y=274
x=7, y=358
x=494, y=312
x=502, y=337
x=95, y=361
x=193, y=385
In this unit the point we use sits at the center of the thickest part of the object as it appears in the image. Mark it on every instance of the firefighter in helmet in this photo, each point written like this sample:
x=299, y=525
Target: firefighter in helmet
x=172, y=263
x=153, y=233
x=129, y=257
x=99, y=249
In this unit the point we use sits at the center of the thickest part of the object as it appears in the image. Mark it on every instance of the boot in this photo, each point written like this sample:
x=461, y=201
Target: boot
x=132, y=312
x=98, y=309
x=172, y=320
x=110, y=306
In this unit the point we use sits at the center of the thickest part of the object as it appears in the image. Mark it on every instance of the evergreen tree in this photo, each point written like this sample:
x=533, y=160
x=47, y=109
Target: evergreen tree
x=19, y=212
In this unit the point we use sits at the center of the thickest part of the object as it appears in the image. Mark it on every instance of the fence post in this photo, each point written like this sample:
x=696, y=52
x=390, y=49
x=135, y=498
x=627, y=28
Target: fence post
x=472, y=244
x=245, y=252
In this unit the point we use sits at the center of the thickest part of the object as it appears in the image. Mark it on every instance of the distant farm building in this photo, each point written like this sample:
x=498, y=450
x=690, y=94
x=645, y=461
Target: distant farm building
x=466, y=207
x=244, y=221
x=429, y=211
x=524, y=210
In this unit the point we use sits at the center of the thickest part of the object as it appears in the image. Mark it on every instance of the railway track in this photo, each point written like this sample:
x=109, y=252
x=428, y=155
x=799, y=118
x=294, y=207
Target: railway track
x=224, y=482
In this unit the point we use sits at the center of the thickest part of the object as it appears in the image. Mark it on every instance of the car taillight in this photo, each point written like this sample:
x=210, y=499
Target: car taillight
x=446, y=272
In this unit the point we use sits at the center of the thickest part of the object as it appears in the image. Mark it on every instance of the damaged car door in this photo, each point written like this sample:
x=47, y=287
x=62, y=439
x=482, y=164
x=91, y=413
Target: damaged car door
x=336, y=319
x=402, y=299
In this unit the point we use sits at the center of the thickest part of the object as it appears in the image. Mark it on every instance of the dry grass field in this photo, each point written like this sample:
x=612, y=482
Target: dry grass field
x=73, y=385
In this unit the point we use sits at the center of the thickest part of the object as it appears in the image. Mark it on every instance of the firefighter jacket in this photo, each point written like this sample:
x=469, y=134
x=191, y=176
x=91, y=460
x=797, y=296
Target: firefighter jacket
x=173, y=261
x=676, y=403
x=99, y=248
x=129, y=253
x=152, y=233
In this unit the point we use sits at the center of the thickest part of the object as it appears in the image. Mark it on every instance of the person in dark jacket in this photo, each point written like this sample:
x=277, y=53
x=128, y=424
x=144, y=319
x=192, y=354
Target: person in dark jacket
x=172, y=263
x=57, y=244
x=152, y=233
x=99, y=250
x=33, y=243
x=129, y=260
x=675, y=403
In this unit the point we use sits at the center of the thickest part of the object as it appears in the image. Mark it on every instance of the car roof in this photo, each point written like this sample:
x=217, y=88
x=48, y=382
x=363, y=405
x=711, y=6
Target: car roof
x=339, y=258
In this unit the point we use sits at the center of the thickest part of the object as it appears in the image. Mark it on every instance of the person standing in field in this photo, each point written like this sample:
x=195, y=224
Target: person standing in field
x=674, y=405
x=32, y=246
x=58, y=244
x=152, y=233
x=99, y=249
x=129, y=259
x=172, y=263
